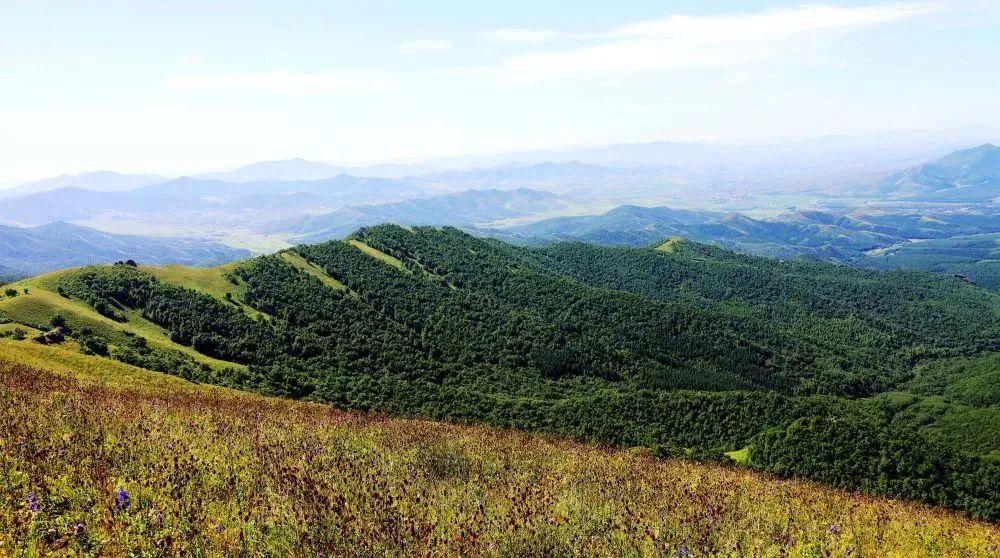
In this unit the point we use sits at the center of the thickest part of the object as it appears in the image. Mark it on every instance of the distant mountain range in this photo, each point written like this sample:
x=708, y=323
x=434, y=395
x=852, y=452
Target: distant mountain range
x=570, y=176
x=302, y=169
x=888, y=150
x=464, y=209
x=287, y=170
x=192, y=201
x=288, y=207
x=833, y=161
x=100, y=181
x=291, y=170
x=829, y=159
x=968, y=175
x=326, y=208
x=28, y=251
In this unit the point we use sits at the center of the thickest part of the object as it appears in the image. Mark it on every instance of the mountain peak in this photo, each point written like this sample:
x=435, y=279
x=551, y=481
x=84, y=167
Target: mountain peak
x=967, y=175
x=964, y=156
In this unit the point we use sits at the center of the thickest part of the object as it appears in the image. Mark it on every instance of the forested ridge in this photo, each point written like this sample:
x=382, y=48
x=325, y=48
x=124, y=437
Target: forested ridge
x=692, y=350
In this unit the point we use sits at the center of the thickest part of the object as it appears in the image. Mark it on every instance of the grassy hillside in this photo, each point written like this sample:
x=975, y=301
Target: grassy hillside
x=38, y=301
x=102, y=458
x=692, y=351
x=220, y=283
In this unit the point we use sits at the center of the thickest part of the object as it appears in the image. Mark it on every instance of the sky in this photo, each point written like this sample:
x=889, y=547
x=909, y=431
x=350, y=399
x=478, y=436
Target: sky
x=181, y=87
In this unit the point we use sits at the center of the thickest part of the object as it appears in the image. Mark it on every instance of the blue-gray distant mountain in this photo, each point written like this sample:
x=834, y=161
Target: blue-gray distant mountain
x=834, y=163
x=29, y=251
x=968, y=175
x=192, y=200
x=71, y=204
x=287, y=170
x=464, y=209
x=101, y=181
x=290, y=170
x=562, y=177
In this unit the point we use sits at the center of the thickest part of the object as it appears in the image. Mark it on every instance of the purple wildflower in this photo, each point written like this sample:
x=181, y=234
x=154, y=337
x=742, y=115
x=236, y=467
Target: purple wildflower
x=834, y=530
x=683, y=552
x=78, y=529
x=34, y=504
x=122, y=500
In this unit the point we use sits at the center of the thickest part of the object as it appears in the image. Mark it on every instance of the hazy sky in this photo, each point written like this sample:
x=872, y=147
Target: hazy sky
x=180, y=86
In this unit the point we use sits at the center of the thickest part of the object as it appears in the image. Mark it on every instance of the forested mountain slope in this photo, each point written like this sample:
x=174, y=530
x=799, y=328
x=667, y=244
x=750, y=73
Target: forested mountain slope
x=974, y=257
x=688, y=348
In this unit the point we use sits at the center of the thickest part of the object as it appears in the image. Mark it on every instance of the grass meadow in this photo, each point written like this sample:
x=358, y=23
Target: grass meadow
x=99, y=458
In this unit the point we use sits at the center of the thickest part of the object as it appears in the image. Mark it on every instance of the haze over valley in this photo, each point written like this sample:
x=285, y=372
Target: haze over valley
x=843, y=197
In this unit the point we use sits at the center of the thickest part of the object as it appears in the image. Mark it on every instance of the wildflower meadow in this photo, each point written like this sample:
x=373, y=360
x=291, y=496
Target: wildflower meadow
x=130, y=467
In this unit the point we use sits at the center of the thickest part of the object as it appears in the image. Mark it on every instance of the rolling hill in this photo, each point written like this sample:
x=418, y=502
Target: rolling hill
x=800, y=368
x=840, y=236
x=29, y=251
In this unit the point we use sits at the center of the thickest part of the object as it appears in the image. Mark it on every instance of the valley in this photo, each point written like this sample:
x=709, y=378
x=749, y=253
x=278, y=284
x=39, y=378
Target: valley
x=279, y=204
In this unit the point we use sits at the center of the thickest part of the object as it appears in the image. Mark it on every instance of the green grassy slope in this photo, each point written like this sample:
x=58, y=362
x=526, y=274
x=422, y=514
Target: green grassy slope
x=106, y=459
x=41, y=303
x=302, y=264
x=693, y=351
x=219, y=282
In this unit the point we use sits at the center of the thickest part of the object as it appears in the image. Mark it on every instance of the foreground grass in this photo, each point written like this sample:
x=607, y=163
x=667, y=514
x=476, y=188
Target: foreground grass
x=103, y=459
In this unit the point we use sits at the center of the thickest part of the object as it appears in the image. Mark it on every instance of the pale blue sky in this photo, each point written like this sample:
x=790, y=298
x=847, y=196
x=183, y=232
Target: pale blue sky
x=176, y=87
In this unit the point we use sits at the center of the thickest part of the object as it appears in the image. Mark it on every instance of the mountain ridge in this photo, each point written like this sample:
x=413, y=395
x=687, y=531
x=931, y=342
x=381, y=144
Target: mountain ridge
x=969, y=175
x=29, y=251
x=691, y=349
x=101, y=181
